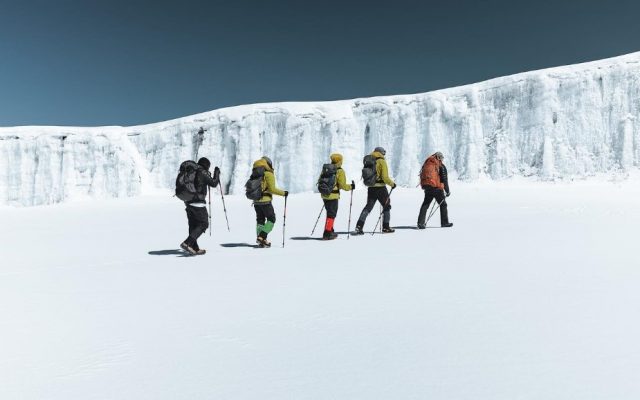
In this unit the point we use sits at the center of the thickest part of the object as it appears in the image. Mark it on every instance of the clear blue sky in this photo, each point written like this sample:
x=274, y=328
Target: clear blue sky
x=71, y=62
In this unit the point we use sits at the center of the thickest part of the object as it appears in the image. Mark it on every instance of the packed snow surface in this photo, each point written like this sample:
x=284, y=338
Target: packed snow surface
x=533, y=294
x=566, y=122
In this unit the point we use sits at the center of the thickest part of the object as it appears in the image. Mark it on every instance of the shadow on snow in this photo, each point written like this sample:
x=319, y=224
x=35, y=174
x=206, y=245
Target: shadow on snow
x=253, y=246
x=170, y=252
x=406, y=227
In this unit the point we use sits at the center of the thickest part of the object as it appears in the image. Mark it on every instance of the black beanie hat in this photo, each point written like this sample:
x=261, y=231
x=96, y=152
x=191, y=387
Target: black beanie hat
x=204, y=163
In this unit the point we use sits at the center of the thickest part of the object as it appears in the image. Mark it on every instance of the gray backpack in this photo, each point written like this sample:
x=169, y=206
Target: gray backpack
x=328, y=178
x=186, y=181
x=369, y=175
x=253, y=187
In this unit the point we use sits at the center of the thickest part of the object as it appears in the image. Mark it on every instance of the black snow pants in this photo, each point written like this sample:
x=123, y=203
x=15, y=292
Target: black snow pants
x=381, y=195
x=431, y=193
x=198, y=223
x=332, y=207
x=265, y=218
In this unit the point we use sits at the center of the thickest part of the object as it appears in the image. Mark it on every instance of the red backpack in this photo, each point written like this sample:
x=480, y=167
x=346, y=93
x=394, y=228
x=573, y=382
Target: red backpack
x=430, y=173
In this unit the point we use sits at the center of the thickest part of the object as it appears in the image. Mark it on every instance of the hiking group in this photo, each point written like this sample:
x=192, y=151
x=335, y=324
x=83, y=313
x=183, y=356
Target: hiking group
x=194, y=180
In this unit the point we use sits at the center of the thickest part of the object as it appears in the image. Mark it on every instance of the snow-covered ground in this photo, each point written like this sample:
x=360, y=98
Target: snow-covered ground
x=533, y=294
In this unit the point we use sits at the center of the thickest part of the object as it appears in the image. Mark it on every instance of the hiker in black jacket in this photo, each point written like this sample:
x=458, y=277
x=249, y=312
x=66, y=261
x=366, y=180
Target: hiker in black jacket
x=197, y=208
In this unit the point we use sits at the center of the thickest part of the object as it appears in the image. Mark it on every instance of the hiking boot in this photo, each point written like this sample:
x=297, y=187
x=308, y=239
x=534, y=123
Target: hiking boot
x=422, y=226
x=329, y=235
x=388, y=229
x=447, y=225
x=184, y=246
x=200, y=252
x=263, y=242
x=358, y=230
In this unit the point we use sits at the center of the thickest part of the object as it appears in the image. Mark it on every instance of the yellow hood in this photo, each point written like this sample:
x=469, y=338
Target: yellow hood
x=336, y=159
x=377, y=154
x=262, y=163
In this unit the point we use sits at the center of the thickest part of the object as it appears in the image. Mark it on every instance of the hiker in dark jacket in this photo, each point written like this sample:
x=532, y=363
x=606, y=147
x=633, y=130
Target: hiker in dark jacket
x=197, y=208
x=435, y=183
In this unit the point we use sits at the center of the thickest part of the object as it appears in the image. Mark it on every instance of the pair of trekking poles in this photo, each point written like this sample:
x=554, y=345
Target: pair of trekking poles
x=433, y=210
x=224, y=207
x=284, y=219
x=350, y=208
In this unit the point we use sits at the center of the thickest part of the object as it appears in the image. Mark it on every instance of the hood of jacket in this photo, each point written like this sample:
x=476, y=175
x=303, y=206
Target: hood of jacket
x=262, y=163
x=377, y=154
x=336, y=159
x=434, y=160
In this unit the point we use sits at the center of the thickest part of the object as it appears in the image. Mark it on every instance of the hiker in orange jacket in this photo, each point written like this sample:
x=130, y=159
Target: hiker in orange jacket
x=435, y=183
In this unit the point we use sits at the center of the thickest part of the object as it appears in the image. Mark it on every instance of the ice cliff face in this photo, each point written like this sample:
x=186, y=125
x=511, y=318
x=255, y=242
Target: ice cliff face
x=566, y=122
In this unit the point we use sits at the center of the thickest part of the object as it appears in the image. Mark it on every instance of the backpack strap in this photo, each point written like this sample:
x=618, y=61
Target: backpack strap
x=336, y=189
x=378, y=177
x=264, y=179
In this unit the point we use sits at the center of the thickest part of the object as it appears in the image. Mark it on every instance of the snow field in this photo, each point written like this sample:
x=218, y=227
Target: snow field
x=532, y=294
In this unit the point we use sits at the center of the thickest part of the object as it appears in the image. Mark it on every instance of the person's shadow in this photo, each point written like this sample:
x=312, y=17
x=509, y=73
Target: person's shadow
x=253, y=246
x=170, y=252
x=410, y=227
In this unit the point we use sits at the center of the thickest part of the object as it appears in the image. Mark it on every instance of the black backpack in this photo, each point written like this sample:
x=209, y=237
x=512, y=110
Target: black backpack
x=186, y=181
x=328, y=178
x=369, y=175
x=253, y=187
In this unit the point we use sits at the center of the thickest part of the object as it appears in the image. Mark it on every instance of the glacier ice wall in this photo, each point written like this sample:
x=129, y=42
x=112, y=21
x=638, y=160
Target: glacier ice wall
x=566, y=122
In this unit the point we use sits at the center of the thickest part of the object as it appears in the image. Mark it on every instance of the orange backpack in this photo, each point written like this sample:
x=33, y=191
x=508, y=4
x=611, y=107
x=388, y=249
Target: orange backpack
x=430, y=173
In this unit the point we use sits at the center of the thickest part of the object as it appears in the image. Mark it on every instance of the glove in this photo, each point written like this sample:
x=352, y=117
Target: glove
x=353, y=185
x=394, y=185
x=446, y=194
x=216, y=172
x=286, y=193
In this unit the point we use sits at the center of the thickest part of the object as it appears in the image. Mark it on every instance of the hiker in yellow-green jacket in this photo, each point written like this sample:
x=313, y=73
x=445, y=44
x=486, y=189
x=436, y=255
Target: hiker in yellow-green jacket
x=265, y=180
x=331, y=181
x=375, y=175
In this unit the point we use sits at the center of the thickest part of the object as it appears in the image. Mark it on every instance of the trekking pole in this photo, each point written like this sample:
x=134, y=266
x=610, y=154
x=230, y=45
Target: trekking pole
x=224, y=206
x=284, y=220
x=314, y=227
x=382, y=212
x=429, y=209
x=433, y=211
x=350, y=204
x=209, y=211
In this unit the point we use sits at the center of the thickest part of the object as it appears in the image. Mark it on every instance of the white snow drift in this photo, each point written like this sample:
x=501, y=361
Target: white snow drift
x=566, y=122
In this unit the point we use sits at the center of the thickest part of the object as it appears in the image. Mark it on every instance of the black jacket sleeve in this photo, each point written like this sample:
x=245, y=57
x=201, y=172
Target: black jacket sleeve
x=444, y=178
x=205, y=177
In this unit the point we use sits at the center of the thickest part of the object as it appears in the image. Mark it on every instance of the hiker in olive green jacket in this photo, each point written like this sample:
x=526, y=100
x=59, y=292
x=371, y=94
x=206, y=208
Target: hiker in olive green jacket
x=331, y=200
x=265, y=215
x=378, y=193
